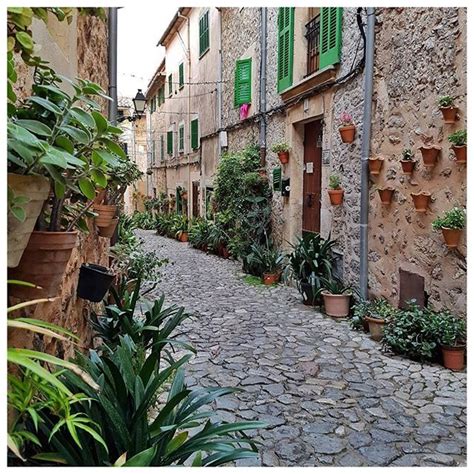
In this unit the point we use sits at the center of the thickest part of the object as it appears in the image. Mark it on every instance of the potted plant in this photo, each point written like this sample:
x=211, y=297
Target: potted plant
x=336, y=193
x=379, y=312
x=452, y=335
x=386, y=195
x=459, y=141
x=268, y=259
x=347, y=128
x=283, y=151
x=337, y=298
x=421, y=201
x=180, y=228
x=449, y=111
x=408, y=161
x=358, y=319
x=375, y=164
x=218, y=234
x=451, y=225
x=94, y=282
x=309, y=262
x=429, y=153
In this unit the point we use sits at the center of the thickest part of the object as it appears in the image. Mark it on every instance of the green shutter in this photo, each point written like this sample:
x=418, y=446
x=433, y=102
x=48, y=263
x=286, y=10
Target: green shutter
x=181, y=75
x=194, y=134
x=181, y=138
x=277, y=179
x=162, y=148
x=204, y=33
x=286, y=21
x=169, y=142
x=170, y=85
x=330, y=36
x=243, y=82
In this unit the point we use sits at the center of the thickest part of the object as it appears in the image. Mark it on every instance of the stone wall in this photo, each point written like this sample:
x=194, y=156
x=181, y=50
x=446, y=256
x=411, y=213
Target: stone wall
x=420, y=55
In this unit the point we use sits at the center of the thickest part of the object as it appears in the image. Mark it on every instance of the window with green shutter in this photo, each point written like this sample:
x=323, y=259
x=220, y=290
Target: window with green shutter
x=162, y=148
x=181, y=75
x=169, y=142
x=170, y=85
x=277, y=179
x=195, y=134
x=330, y=36
x=243, y=82
x=203, y=33
x=286, y=20
x=181, y=138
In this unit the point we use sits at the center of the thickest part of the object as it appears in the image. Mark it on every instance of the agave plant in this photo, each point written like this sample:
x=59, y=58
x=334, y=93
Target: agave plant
x=199, y=233
x=265, y=258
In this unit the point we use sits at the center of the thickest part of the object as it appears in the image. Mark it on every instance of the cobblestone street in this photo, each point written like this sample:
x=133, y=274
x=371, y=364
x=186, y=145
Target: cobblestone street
x=328, y=393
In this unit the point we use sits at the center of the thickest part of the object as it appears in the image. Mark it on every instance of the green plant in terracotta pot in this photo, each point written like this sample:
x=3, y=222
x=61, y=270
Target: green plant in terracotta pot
x=452, y=335
x=268, y=259
x=337, y=298
x=379, y=313
x=335, y=191
x=283, y=152
x=408, y=161
x=451, y=224
x=448, y=109
x=459, y=145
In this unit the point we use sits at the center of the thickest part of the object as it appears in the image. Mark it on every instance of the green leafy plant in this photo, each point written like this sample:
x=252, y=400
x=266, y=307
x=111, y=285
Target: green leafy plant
x=145, y=220
x=280, y=147
x=454, y=218
x=199, y=233
x=265, y=258
x=180, y=225
x=458, y=138
x=407, y=155
x=334, y=182
x=449, y=330
x=446, y=101
x=380, y=308
x=335, y=286
x=359, y=311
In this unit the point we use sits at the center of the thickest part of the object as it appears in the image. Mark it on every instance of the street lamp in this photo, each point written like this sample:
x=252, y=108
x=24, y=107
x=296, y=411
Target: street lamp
x=139, y=102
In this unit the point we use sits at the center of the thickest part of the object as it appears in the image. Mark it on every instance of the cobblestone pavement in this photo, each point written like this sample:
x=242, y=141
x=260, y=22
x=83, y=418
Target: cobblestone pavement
x=328, y=393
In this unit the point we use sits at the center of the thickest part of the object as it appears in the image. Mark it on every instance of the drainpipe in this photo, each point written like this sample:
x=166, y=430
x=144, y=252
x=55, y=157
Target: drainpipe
x=219, y=80
x=366, y=133
x=112, y=64
x=263, y=86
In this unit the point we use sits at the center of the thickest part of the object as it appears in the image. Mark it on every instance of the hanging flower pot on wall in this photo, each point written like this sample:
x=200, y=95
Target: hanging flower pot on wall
x=284, y=157
x=451, y=237
x=375, y=165
x=429, y=154
x=386, y=195
x=421, y=201
x=43, y=263
x=106, y=214
x=408, y=166
x=449, y=114
x=108, y=231
x=36, y=190
x=336, y=196
x=94, y=282
x=461, y=154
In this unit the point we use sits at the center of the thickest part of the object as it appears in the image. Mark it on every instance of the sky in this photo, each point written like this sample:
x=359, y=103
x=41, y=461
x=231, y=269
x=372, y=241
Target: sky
x=139, y=30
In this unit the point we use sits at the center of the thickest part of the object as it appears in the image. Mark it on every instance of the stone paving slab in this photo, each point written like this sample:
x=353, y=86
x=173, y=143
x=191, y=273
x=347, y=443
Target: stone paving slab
x=329, y=394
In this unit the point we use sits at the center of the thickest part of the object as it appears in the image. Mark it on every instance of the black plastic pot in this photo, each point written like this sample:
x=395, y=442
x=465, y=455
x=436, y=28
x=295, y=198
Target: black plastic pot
x=309, y=299
x=94, y=282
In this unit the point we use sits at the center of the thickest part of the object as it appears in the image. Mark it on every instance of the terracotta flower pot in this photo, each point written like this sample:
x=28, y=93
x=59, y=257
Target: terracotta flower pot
x=336, y=306
x=408, y=166
x=336, y=196
x=375, y=327
x=36, y=188
x=451, y=237
x=43, y=263
x=183, y=236
x=106, y=214
x=429, y=155
x=347, y=133
x=386, y=195
x=185, y=195
x=421, y=201
x=453, y=357
x=99, y=196
x=270, y=278
x=262, y=172
x=461, y=153
x=223, y=251
x=108, y=231
x=284, y=157
x=375, y=165
x=449, y=114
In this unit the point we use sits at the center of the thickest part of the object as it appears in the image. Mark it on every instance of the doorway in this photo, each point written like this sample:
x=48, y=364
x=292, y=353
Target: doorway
x=312, y=177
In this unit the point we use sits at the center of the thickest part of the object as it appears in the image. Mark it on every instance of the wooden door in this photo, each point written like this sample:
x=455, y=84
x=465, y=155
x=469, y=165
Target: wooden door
x=195, y=198
x=312, y=178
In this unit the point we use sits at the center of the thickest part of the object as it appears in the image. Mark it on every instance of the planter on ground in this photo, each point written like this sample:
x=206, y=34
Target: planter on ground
x=421, y=201
x=36, y=189
x=43, y=263
x=336, y=306
x=271, y=278
x=386, y=195
x=183, y=236
x=375, y=165
x=108, y=231
x=429, y=154
x=94, y=282
x=375, y=327
x=308, y=296
x=453, y=357
x=106, y=214
x=223, y=251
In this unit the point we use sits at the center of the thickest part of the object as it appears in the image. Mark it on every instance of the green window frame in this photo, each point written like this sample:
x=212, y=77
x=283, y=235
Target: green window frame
x=161, y=95
x=181, y=75
x=194, y=134
x=286, y=39
x=153, y=152
x=203, y=33
x=276, y=178
x=181, y=138
x=169, y=142
x=162, y=148
x=330, y=36
x=243, y=82
x=170, y=85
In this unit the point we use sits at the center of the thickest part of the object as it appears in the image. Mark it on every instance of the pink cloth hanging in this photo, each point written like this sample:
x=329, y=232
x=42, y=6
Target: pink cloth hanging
x=244, y=111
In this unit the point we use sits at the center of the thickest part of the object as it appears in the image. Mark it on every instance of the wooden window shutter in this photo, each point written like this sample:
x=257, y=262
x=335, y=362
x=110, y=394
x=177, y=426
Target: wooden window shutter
x=330, y=36
x=204, y=33
x=169, y=142
x=162, y=147
x=181, y=75
x=194, y=134
x=181, y=138
x=286, y=20
x=243, y=82
x=277, y=179
x=170, y=85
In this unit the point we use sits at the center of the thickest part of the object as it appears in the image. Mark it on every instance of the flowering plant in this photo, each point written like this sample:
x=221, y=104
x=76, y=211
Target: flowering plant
x=346, y=119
